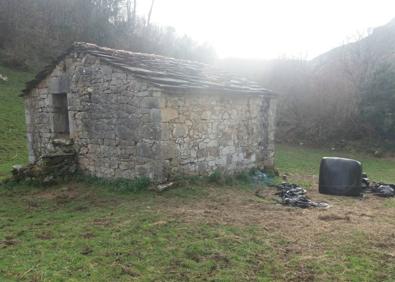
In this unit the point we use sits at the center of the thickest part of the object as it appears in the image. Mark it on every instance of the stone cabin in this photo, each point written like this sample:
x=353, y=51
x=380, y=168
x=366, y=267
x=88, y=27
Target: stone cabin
x=132, y=114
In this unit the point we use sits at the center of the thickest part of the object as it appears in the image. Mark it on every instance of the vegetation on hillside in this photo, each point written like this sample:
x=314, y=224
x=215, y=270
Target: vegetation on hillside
x=35, y=32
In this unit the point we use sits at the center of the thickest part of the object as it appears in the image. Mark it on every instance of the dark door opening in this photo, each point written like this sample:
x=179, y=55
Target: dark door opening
x=61, y=115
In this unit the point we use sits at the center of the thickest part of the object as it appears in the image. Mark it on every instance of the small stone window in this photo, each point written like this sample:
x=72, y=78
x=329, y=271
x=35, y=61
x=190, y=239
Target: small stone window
x=61, y=115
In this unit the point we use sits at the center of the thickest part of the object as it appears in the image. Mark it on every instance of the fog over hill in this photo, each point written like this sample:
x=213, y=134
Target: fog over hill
x=377, y=45
x=345, y=93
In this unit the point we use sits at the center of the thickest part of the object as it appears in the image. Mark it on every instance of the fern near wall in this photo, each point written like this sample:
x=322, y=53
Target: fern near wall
x=125, y=127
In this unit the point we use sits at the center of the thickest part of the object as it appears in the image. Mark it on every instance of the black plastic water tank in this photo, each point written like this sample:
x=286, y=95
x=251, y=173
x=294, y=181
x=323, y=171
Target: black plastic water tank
x=339, y=176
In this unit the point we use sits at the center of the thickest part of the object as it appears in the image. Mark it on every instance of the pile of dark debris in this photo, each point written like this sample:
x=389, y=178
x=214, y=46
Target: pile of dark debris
x=338, y=176
x=379, y=189
x=294, y=195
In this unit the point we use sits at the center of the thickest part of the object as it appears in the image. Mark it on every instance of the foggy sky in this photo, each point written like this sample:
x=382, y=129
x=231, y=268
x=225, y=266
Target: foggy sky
x=270, y=29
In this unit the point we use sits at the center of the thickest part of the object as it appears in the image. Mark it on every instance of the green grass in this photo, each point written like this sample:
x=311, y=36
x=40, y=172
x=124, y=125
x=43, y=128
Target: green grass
x=81, y=232
x=13, y=148
x=111, y=237
x=306, y=161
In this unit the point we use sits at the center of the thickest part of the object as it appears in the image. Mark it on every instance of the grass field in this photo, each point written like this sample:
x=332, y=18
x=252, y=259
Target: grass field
x=303, y=161
x=13, y=148
x=83, y=231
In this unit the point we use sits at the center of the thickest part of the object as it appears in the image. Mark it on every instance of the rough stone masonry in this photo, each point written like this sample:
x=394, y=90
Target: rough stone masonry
x=131, y=115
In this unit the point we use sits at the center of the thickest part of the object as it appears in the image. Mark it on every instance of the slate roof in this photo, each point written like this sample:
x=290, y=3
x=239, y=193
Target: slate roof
x=163, y=72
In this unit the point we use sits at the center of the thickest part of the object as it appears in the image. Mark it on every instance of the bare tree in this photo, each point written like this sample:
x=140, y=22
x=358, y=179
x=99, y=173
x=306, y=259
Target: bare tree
x=359, y=57
x=150, y=13
x=131, y=13
x=134, y=13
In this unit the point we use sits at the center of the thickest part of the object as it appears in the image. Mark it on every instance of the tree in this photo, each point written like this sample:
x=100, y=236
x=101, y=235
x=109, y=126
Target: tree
x=378, y=102
x=35, y=32
x=150, y=12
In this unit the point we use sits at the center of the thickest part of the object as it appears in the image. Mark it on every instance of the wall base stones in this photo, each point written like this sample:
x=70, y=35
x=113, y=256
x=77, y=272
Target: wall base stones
x=60, y=162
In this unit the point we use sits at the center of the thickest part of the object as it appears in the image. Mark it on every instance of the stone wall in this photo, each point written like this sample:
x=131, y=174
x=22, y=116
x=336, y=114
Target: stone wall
x=116, y=122
x=114, y=119
x=124, y=127
x=204, y=132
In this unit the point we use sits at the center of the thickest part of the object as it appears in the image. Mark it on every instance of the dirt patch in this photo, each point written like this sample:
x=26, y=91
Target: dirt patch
x=332, y=217
x=88, y=235
x=32, y=204
x=128, y=269
x=70, y=191
x=81, y=208
x=102, y=221
x=304, y=273
x=46, y=235
x=9, y=241
x=86, y=251
x=220, y=258
x=311, y=227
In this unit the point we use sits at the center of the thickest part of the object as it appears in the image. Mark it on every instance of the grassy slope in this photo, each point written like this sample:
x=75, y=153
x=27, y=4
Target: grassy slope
x=12, y=120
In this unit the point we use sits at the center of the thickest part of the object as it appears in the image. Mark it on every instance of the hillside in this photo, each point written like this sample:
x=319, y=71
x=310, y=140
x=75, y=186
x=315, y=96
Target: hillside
x=377, y=46
x=344, y=97
x=12, y=120
x=371, y=50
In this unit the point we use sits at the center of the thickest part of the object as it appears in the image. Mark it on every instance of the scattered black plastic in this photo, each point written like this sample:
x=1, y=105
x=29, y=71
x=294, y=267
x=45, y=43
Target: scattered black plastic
x=365, y=181
x=379, y=189
x=383, y=190
x=294, y=195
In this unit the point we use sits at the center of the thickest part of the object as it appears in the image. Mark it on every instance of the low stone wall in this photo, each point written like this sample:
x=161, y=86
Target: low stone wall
x=57, y=163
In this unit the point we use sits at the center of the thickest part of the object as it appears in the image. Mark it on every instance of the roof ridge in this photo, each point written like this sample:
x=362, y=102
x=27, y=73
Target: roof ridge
x=89, y=46
x=164, y=72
